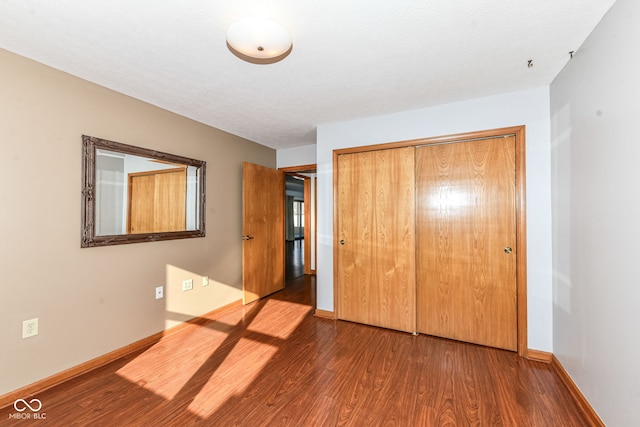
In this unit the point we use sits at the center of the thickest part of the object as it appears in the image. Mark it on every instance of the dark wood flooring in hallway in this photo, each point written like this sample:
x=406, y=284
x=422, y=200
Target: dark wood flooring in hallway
x=272, y=363
x=294, y=265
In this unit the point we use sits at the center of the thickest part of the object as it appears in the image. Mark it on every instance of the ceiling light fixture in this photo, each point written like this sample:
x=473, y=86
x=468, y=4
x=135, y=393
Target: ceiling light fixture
x=259, y=40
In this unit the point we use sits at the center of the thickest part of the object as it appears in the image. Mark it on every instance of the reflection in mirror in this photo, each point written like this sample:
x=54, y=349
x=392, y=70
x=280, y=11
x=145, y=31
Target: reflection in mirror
x=132, y=194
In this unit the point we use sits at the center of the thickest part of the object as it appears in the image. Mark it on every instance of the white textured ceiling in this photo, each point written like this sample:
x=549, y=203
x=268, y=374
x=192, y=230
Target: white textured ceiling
x=350, y=58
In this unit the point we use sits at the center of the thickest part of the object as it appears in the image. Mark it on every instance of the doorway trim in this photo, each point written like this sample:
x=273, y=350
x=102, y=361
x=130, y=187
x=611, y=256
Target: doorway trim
x=520, y=200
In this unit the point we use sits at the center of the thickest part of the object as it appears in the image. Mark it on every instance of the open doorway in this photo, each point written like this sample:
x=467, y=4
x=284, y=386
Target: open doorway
x=294, y=226
x=300, y=222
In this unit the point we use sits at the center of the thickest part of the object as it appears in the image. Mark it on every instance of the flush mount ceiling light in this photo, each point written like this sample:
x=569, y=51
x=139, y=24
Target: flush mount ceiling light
x=259, y=40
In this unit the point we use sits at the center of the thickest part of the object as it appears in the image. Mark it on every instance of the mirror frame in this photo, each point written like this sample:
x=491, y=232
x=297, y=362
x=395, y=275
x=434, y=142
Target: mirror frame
x=88, y=236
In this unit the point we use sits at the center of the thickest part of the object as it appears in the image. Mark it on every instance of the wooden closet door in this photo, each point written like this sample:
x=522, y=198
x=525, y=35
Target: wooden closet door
x=157, y=201
x=171, y=201
x=466, y=237
x=376, y=238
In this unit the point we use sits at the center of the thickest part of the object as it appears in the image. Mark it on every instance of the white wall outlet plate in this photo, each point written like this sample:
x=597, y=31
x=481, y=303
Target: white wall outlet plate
x=30, y=328
x=160, y=292
x=187, y=285
x=205, y=281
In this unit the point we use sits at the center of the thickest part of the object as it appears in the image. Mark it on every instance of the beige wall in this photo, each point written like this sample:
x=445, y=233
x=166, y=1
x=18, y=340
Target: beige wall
x=91, y=301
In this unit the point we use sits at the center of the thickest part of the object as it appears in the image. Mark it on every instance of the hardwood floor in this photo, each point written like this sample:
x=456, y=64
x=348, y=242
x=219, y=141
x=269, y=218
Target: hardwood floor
x=294, y=265
x=273, y=363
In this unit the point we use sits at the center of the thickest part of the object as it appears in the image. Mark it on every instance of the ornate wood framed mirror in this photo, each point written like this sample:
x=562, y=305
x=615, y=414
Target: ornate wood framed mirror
x=132, y=194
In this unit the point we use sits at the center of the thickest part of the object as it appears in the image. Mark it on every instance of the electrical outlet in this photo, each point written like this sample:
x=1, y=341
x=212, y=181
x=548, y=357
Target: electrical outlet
x=30, y=328
x=205, y=281
x=159, y=292
x=187, y=285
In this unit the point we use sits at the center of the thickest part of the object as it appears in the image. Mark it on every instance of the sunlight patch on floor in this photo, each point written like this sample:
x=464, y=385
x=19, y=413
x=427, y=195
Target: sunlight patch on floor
x=226, y=367
x=232, y=376
x=237, y=368
x=172, y=366
x=289, y=317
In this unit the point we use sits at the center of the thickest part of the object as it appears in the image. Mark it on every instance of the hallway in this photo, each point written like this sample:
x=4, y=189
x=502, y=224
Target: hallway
x=294, y=259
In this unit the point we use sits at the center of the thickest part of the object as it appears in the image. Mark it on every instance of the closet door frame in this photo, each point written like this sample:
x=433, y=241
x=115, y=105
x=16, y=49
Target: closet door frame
x=520, y=199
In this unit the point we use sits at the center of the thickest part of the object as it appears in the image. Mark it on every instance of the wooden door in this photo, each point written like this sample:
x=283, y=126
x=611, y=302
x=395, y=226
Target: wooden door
x=141, y=204
x=171, y=201
x=263, y=231
x=157, y=201
x=309, y=200
x=376, y=238
x=466, y=241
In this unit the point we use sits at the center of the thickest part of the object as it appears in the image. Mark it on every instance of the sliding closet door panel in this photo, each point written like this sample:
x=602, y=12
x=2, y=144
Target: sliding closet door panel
x=376, y=233
x=466, y=241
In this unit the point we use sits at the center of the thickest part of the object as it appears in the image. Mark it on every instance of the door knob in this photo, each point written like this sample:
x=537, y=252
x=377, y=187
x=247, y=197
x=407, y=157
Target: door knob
x=247, y=237
x=507, y=250
x=342, y=242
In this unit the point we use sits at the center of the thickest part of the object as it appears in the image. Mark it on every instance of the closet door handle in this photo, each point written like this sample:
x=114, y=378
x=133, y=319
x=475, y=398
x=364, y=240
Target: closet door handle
x=342, y=242
x=507, y=250
x=247, y=237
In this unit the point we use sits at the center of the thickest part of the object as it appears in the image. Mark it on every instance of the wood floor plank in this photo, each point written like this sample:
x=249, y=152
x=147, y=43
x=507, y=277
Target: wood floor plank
x=273, y=363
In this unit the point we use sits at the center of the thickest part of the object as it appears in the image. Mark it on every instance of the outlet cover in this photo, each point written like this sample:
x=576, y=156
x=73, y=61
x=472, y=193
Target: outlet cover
x=205, y=281
x=160, y=292
x=187, y=285
x=30, y=328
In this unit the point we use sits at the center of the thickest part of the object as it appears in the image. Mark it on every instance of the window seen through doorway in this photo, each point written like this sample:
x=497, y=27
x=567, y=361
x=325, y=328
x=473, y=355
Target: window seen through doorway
x=298, y=218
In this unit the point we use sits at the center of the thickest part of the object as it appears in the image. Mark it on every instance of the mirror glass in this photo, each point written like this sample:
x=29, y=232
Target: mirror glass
x=132, y=194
